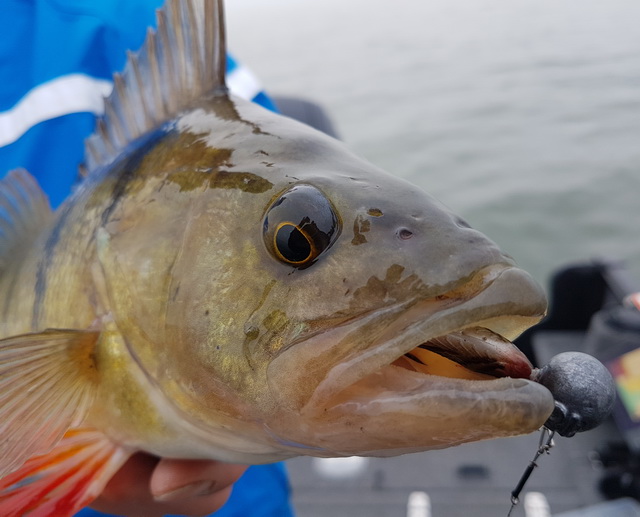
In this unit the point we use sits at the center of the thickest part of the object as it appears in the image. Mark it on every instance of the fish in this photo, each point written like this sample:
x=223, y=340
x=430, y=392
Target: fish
x=228, y=283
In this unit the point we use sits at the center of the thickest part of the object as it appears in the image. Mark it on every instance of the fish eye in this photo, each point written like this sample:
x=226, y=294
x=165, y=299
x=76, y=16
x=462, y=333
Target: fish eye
x=300, y=225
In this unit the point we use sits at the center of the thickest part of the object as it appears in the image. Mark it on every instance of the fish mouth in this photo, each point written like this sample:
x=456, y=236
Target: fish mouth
x=474, y=358
x=439, y=372
x=475, y=353
x=464, y=334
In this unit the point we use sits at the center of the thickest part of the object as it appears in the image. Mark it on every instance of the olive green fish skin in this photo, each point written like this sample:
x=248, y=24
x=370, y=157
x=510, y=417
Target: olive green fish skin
x=163, y=251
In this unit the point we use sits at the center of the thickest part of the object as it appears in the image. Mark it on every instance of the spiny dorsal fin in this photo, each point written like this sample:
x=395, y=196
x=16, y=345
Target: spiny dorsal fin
x=179, y=62
x=24, y=213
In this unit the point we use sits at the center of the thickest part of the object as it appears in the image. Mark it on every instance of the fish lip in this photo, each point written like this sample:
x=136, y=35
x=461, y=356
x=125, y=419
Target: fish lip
x=418, y=329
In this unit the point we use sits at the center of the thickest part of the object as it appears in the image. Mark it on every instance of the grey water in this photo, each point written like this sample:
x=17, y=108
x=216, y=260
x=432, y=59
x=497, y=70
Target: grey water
x=523, y=116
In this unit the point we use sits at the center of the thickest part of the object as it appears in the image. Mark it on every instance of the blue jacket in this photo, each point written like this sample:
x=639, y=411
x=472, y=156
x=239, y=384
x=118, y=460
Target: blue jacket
x=57, y=58
x=56, y=62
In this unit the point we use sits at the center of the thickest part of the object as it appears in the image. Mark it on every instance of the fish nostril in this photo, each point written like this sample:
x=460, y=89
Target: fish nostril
x=461, y=222
x=404, y=234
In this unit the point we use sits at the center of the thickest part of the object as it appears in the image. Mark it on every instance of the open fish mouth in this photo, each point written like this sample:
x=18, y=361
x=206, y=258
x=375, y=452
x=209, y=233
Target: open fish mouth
x=464, y=335
x=440, y=372
x=476, y=353
x=473, y=359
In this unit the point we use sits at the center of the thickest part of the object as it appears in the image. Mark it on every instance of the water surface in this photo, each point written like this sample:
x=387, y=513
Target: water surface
x=521, y=115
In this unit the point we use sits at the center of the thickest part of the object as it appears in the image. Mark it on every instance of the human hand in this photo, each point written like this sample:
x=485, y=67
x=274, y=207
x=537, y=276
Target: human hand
x=147, y=486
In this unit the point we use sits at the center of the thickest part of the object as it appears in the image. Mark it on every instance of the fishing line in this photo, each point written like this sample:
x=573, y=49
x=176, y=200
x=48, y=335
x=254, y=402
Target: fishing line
x=544, y=447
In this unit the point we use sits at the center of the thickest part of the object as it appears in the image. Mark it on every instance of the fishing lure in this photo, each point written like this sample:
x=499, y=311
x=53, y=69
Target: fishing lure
x=583, y=392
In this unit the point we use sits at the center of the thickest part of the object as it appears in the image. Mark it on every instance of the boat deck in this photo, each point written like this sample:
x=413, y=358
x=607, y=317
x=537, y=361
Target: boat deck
x=469, y=480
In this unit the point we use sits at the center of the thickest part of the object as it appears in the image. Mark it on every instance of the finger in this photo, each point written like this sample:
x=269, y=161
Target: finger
x=186, y=487
x=132, y=479
x=193, y=487
x=128, y=490
x=179, y=479
x=193, y=506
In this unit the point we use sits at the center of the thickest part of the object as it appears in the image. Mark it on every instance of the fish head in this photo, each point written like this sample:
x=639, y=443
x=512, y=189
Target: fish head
x=319, y=305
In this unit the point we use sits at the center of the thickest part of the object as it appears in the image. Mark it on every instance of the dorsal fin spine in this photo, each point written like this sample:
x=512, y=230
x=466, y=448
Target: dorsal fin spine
x=178, y=63
x=208, y=41
x=219, y=65
x=146, y=116
x=159, y=103
x=124, y=106
x=103, y=134
x=179, y=41
x=92, y=156
x=169, y=76
x=114, y=130
x=194, y=44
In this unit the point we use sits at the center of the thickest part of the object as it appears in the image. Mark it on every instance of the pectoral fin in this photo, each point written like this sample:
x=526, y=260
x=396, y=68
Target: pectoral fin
x=47, y=382
x=65, y=479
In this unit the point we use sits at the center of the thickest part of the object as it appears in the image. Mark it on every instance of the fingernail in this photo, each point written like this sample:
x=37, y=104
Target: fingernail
x=198, y=489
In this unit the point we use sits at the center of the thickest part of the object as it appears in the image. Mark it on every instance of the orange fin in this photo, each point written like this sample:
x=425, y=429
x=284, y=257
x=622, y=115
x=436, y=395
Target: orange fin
x=47, y=382
x=64, y=480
